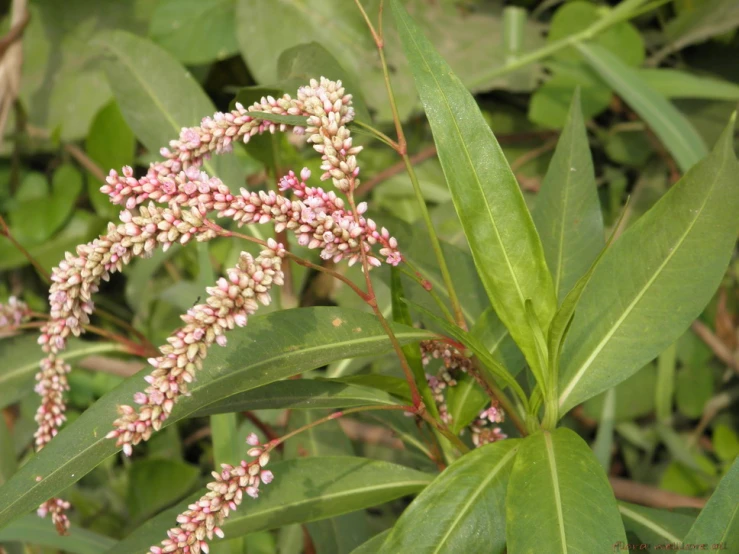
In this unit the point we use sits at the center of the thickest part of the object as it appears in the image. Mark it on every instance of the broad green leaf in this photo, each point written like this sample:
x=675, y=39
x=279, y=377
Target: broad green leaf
x=340, y=534
x=300, y=394
x=158, y=97
x=673, y=83
x=296, y=66
x=718, y=522
x=8, y=463
x=622, y=39
x=463, y=509
x=655, y=526
x=502, y=237
x=34, y=530
x=645, y=291
x=21, y=356
x=270, y=348
x=195, y=31
x=60, y=86
x=111, y=145
x=304, y=490
x=81, y=228
x=673, y=129
x=567, y=213
x=155, y=484
x=559, y=499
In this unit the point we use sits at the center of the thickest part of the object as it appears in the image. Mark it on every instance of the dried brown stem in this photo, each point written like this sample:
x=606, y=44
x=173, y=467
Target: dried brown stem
x=647, y=495
x=720, y=349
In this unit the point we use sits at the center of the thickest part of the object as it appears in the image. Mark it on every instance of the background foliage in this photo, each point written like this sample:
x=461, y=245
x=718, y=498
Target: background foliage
x=105, y=84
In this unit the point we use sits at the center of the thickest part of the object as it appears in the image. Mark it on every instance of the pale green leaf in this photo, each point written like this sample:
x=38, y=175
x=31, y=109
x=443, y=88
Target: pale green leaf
x=463, y=509
x=32, y=529
x=645, y=291
x=502, y=237
x=559, y=499
x=718, y=522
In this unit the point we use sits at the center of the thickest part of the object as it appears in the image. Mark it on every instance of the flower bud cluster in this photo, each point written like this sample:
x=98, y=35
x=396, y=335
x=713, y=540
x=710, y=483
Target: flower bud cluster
x=202, y=519
x=14, y=312
x=483, y=430
x=78, y=277
x=57, y=508
x=329, y=112
x=324, y=103
x=229, y=304
x=320, y=220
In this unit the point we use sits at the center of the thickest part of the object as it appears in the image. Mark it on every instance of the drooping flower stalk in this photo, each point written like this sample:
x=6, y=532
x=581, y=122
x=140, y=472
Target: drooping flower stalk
x=229, y=304
x=202, y=520
x=319, y=219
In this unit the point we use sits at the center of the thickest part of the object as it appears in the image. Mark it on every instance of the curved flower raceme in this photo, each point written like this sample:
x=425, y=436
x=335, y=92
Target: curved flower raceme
x=202, y=519
x=180, y=197
x=229, y=303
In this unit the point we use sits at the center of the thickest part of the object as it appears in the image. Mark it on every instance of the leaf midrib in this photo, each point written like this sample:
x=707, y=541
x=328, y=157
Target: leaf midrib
x=59, y=468
x=471, y=498
x=661, y=531
x=469, y=159
x=555, y=485
x=589, y=361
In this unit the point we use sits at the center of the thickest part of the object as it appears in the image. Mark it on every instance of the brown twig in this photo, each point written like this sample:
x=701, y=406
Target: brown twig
x=15, y=33
x=113, y=366
x=265, y=428
x=721, y=351
x=370, y=434
x=5, y=232
x=647, y=495
x=396, y=168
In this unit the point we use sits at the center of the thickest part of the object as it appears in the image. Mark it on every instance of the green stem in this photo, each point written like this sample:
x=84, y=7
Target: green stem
x=436, y=245
x=623, y=12
x=379, y=135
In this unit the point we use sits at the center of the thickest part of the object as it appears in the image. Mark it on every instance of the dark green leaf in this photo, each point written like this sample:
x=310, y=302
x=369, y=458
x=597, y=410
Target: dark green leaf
x=488, y=200
x=195, y=31
x=272, y=347
x=34, y=530
x=111, y=145
x=559, y=499
x=21, y=356
x=463, y=509
x=373, y=545
x=307, y=489
x=567, y=214
x=649, y=279
x=155, y=484
x=300, y=394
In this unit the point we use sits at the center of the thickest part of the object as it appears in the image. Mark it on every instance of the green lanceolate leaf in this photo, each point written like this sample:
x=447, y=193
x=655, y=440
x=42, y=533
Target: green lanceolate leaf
x=401, y=314
x=21, y=357
x=304, y=490
x=488, y=200
x=373, y=545
x=655, y=526
x=463, y=510
x=34, y=530
x=270, y=348
x=673, y=83
x=567, y=213
x=646, y=290
x=301, y=394
x=559, y=499
x=718, y=522
x=673, y=128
